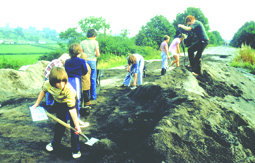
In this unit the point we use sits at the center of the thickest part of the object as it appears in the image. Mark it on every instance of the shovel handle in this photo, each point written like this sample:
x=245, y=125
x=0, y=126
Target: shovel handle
x=65, y=124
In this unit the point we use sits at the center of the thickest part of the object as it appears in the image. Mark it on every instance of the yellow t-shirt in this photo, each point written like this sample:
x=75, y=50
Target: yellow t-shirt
x=66, y=95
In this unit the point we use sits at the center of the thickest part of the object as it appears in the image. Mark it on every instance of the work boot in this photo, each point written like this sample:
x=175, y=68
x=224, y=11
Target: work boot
x=163, y=71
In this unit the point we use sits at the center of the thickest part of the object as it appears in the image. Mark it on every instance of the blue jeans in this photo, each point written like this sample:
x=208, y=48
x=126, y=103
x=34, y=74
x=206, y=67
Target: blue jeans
x=128, y=77
x=164, y=60
x=93, y=79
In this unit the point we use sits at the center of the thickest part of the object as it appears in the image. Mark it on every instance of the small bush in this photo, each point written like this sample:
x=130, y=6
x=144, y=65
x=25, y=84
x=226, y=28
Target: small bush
x=245, y=59
x=52, y=55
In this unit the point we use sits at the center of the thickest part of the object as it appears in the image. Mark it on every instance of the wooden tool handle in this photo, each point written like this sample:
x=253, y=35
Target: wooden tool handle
x=65, y=124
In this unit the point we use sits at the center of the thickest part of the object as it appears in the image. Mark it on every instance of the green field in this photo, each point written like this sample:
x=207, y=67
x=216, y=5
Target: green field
x=16, y=61
x=15, y=56
x=27, y=49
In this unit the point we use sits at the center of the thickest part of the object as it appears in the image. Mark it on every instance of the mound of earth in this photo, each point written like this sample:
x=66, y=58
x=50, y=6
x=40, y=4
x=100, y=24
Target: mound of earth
x=172, y=118
x=20, y=84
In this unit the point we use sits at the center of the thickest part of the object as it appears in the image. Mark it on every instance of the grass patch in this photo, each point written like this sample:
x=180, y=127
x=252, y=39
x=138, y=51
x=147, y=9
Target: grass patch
x=17, y=61
x=26, y=49
x=110, y=60
x=245, y=59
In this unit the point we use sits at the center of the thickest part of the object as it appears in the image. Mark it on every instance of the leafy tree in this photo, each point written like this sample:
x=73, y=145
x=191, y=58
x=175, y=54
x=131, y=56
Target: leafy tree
x=153, y=32
x=245, y=35
x=196, y=12
x=124, y=33
x=117, y=45
x=71, y=36
x=215, y=38
x=99, y=24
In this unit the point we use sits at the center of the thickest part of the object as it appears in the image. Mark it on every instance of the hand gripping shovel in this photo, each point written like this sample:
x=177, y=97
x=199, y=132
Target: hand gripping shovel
x=89, y=142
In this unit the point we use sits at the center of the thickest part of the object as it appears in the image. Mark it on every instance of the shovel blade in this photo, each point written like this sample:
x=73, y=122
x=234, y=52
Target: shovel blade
x=92, y=141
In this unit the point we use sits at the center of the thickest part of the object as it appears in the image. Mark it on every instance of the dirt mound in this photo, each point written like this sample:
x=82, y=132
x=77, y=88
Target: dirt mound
x=21, y=84
x=171, y=118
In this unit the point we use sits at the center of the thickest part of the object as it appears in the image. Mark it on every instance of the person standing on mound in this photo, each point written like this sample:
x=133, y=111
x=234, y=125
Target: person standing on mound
x=164, y=54
x=198, y=28
x=174, y=49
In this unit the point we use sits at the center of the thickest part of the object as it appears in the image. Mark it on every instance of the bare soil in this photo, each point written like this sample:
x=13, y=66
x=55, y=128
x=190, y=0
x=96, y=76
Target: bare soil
x=171, y=118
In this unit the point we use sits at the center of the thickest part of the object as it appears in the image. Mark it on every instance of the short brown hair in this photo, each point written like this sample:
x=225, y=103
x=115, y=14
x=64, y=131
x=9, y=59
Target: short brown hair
x=57, y=74
x=131, y=59
x=189, y=18
x=91, y=33
x=166, y=37
x=74, y=50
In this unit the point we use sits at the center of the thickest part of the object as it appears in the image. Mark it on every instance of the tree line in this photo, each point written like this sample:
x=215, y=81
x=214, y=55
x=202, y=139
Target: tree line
x=245, y=35
x=150, y=35
x=30, y=35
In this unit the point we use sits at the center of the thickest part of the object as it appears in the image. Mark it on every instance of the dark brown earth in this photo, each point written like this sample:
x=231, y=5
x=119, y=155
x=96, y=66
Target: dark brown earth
x=171, y=118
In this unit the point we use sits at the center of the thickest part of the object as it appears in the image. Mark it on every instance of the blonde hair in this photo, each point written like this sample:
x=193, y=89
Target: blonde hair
x=131, y=59
x=84, y=56
x=57, y=74
x=184, y=36
x=75, y=49
x=189, y=18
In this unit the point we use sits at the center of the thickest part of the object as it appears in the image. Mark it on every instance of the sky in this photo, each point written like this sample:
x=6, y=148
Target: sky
x=225, y=16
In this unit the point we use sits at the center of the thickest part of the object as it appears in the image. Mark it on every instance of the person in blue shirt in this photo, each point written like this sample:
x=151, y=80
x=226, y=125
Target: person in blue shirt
x=135, y=70
x=75, y=68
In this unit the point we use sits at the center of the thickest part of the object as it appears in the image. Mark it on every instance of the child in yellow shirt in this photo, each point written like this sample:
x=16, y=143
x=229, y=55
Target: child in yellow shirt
x=65, y=100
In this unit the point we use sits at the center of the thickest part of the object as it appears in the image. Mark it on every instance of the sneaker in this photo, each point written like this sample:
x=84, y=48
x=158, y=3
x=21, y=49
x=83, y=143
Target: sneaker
x=49, y=147
x=76, y=155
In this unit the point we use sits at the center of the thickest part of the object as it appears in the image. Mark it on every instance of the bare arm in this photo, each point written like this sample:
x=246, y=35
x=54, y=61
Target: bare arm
x=184, y=27
x=74, y=115
x=128, y=68
x=39, y=99
x=135, y=79
x=178, y=48
x=167, y=53
x=97, y=52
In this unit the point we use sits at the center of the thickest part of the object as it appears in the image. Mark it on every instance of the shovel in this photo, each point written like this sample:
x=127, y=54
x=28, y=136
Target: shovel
x=183, y=49
x=89, y=142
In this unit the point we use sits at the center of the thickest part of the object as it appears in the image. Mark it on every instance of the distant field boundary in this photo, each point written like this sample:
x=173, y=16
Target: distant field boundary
x=23, y=53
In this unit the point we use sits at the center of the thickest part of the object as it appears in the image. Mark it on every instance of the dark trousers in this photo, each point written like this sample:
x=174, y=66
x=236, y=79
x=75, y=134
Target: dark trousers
x=84, y=97
x=195, y=60
x=61, y=110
